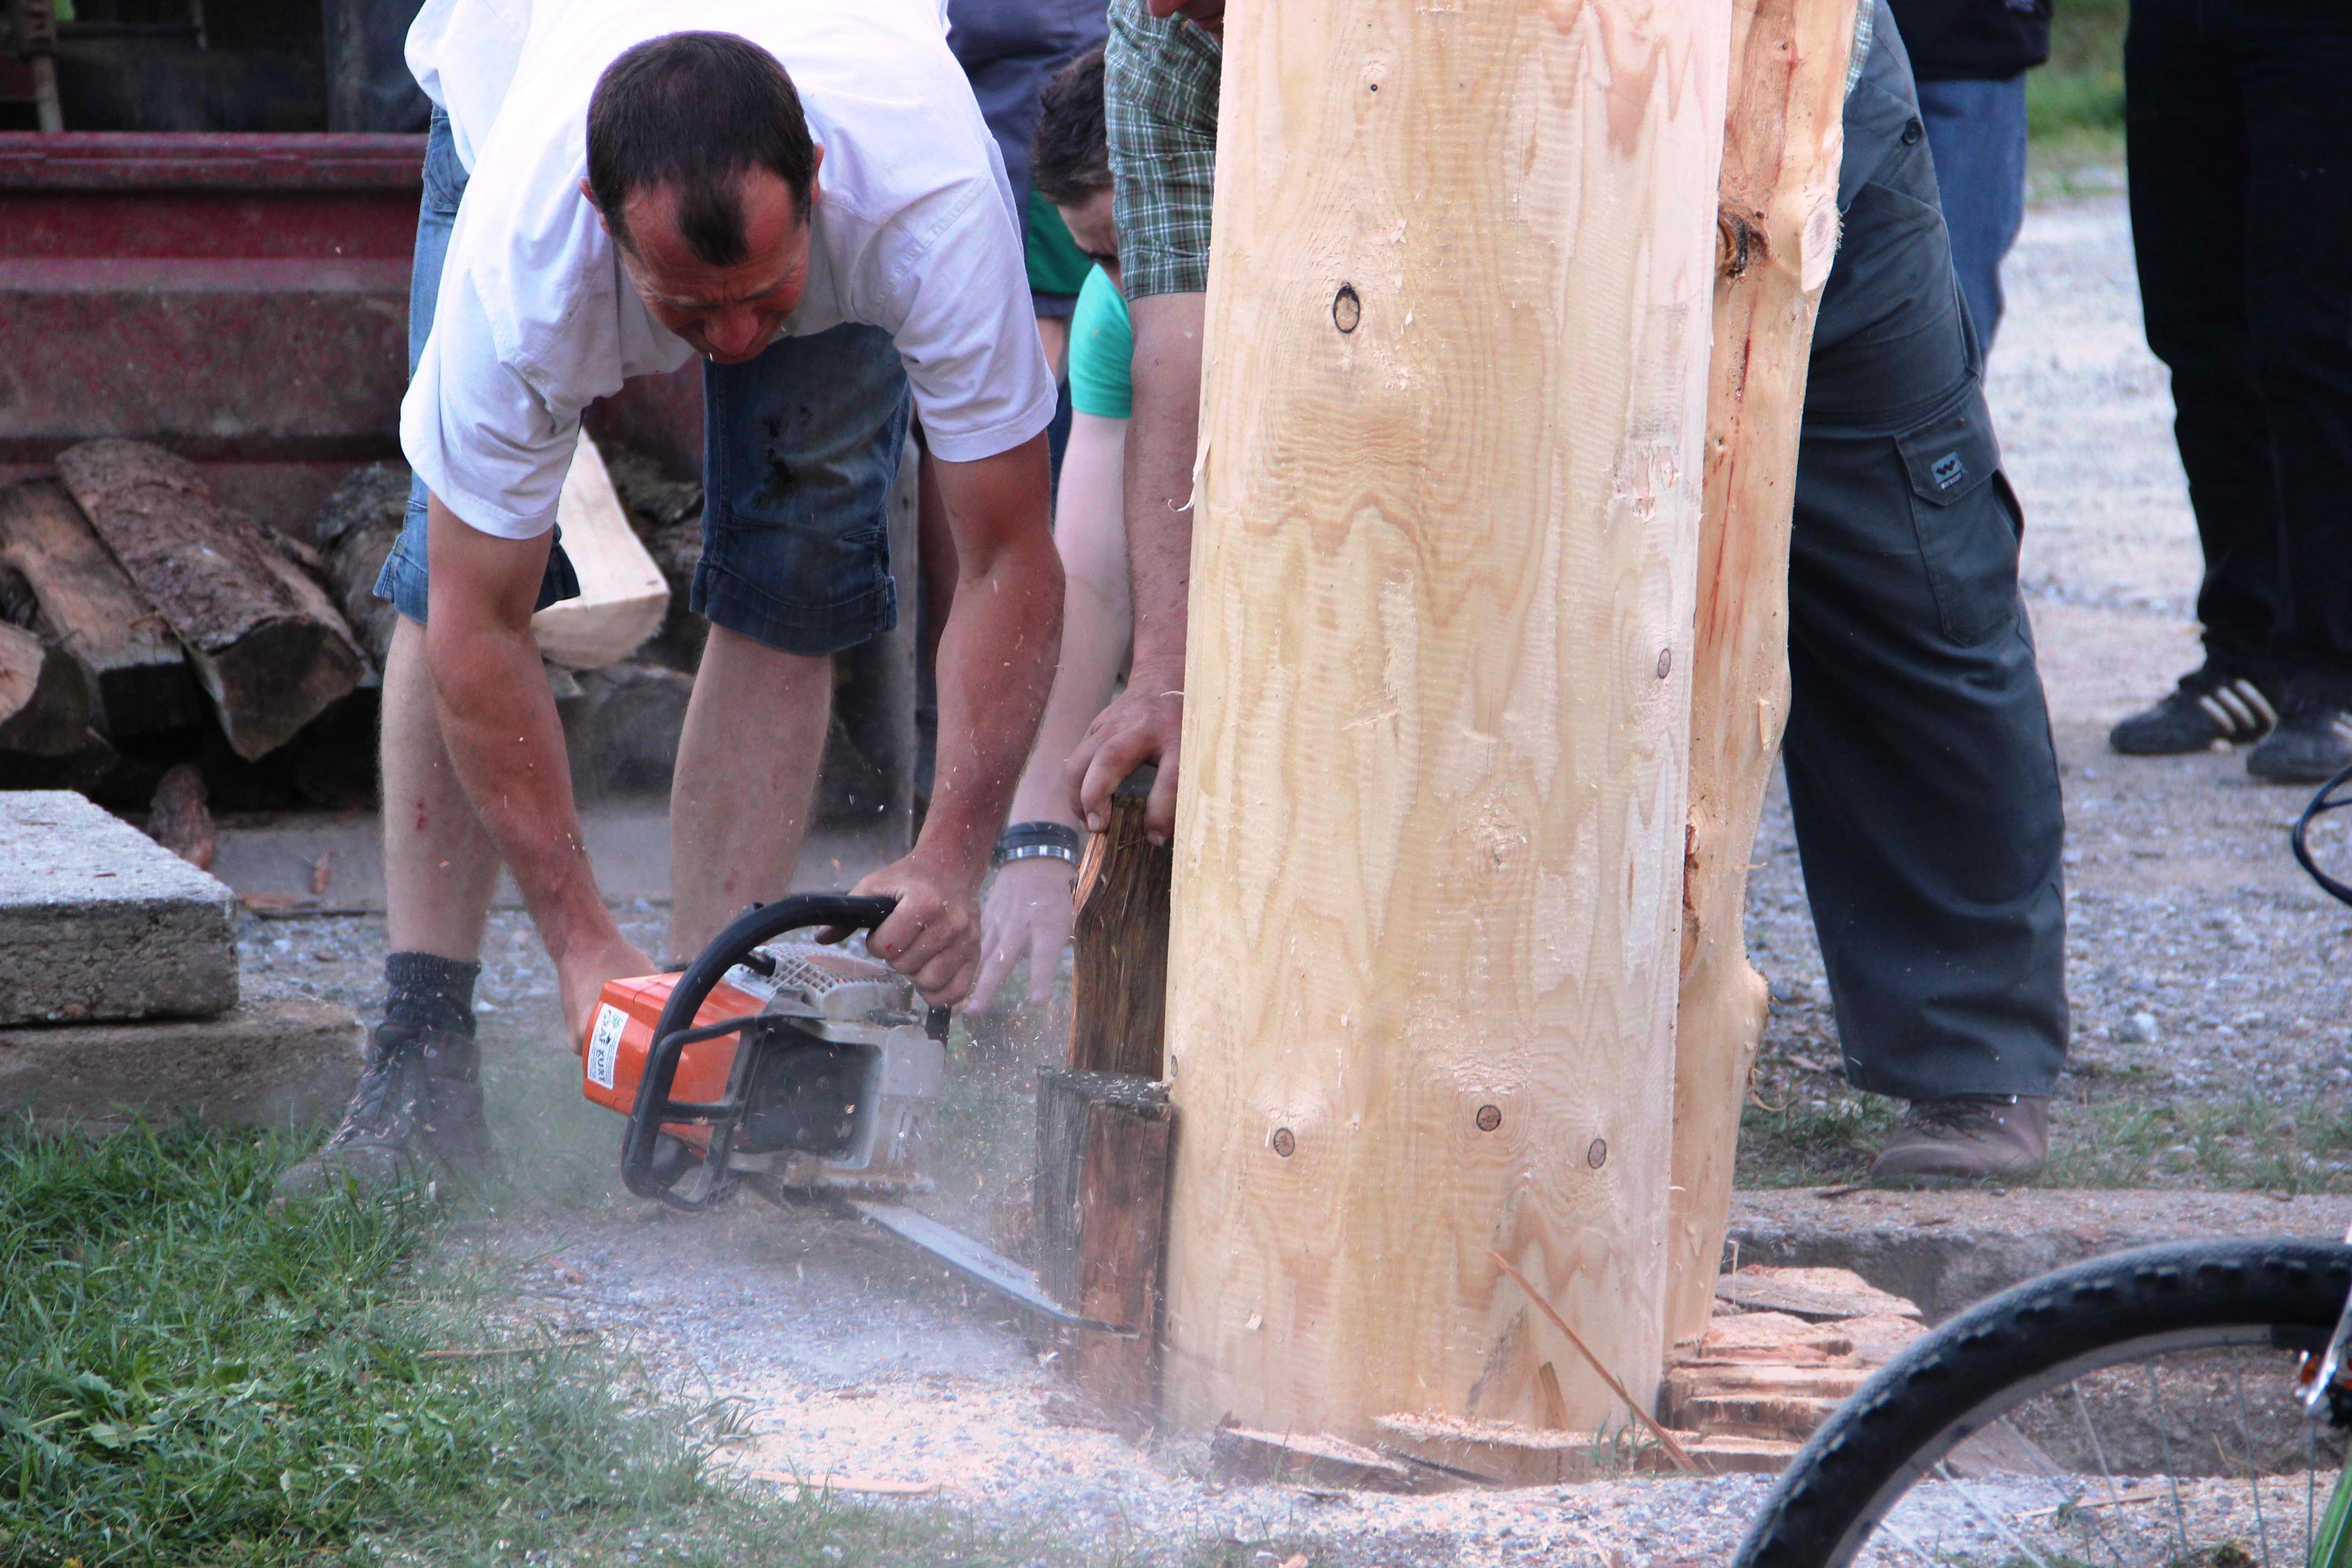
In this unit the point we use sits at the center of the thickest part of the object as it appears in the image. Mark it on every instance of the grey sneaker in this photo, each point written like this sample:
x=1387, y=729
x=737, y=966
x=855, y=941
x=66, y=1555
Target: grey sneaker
x=2312, y=743
x=418, y=1111
x=1966, y=1138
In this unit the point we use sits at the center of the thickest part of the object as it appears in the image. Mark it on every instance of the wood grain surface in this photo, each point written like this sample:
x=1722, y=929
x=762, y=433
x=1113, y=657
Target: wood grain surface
x=1429, y=853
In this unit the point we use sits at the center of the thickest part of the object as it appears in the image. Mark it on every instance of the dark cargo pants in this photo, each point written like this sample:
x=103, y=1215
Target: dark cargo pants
x=1921, y=773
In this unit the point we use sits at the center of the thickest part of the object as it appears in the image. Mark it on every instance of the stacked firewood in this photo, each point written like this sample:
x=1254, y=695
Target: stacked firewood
x=155, y=641
x=134, y=604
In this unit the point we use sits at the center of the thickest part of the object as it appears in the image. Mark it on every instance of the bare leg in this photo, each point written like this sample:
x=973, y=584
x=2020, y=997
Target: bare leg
x=747, y=768
x=440, y=866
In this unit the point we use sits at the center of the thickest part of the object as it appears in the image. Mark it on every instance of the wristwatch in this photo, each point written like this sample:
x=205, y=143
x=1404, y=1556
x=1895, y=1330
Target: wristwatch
x=1036, y=841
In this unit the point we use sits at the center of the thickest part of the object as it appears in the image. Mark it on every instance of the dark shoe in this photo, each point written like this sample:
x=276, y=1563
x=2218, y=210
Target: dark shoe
x=1966, y=1138
x=418, y=1110
x=2312, y=744
x=2209, y=705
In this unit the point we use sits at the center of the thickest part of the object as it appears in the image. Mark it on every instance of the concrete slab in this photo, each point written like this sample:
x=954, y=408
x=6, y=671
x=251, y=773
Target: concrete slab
x=1947, y=1250
x=274, y=1060
x=99, y=922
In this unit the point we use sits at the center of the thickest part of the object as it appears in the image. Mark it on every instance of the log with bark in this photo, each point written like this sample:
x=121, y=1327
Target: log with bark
x=140, y=680
x=271, y=649
x=357, y=528
x=44, y=700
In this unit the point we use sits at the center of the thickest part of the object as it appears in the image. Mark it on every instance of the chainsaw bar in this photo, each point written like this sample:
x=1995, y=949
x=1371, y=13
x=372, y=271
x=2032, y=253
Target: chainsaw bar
x=976, y=1263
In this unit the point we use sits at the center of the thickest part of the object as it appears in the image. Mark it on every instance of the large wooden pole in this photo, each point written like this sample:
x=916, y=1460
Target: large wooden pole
x=1429, y=856
x=1782, y=137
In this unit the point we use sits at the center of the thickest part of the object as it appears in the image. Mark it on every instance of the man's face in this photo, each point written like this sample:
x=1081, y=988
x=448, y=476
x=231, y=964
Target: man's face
x=727, y=314
x=1207, y=15
x=1090, y=223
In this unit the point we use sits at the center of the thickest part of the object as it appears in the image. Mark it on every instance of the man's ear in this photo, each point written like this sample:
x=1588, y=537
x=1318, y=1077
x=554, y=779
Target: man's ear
x=816, y=184
x=588, y=194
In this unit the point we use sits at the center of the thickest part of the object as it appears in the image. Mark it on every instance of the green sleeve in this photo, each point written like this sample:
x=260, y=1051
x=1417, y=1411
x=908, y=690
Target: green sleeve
x=1057, y=265
x=1101, y=347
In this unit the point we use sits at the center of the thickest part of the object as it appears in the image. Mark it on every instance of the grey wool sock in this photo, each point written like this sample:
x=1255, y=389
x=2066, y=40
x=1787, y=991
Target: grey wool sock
x=430, y=991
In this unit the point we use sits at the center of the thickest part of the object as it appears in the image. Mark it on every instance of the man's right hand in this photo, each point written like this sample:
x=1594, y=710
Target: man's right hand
x=580, y=978
x=1144, y=723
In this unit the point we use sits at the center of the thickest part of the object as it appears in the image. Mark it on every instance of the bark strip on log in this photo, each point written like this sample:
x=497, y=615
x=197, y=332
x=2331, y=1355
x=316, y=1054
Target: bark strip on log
x=140, y=680
x=273, y=652
x=1118, y=960
x=1101, y=1197
x=1783, y=134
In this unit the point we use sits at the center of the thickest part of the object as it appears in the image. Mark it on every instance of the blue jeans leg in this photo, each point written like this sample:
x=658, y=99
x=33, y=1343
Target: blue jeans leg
x=1977, y=132
x=403, y=579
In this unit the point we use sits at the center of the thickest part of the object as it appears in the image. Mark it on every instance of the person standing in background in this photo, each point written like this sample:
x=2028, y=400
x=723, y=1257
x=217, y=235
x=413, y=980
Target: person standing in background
x=1009, y=50
x=1970, y=58
x=2241, y=224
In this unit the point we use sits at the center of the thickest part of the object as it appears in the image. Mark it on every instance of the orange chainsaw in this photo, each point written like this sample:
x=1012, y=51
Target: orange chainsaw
x=812, y=1072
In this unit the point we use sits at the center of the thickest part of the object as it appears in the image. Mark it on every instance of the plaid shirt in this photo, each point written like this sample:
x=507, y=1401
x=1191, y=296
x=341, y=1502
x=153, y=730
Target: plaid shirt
x=1159, y=104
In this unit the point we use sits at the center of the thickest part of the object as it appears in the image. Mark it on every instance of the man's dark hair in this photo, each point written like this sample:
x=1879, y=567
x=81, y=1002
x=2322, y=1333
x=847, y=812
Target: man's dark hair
x=694, y=111
x=1069, y=155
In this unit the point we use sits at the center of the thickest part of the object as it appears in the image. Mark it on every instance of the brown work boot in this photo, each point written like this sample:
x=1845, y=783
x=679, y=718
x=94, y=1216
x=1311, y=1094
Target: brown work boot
x=418, y=1112
x=1966, y=1138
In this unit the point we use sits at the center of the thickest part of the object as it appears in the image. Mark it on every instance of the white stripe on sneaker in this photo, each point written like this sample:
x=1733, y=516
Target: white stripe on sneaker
x=2253, y=694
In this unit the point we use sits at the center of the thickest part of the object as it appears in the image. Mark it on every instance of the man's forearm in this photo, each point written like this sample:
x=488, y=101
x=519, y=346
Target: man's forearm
x=1161, y=438
x=995, y=666
x=499, y=723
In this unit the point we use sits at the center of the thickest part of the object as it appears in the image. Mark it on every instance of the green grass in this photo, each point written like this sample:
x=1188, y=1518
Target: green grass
x=188, y=1378
x=2244, y=1144
x=2082, y=87
x=2075, y=104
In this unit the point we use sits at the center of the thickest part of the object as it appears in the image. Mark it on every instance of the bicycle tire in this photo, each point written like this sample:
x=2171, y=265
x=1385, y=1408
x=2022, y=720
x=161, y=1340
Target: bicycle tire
x=1990, y=1359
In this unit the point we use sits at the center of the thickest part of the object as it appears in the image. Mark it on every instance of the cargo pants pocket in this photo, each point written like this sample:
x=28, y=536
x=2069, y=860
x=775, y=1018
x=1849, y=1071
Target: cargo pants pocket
x=1967, y=519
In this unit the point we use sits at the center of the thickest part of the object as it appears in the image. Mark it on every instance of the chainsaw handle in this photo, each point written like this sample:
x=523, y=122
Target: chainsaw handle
x=760, y=923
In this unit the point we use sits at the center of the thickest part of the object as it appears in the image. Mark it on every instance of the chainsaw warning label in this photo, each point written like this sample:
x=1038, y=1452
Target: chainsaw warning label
x=604, y=1045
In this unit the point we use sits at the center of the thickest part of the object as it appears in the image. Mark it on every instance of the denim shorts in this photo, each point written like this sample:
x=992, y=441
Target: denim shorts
x=800, y=446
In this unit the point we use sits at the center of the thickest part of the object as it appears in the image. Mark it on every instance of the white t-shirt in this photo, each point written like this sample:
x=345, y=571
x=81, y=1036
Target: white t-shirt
x=535, y=320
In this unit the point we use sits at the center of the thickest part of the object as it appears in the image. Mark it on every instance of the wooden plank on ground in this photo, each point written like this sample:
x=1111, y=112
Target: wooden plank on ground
x=1309, y=1458
x=1821, y=1295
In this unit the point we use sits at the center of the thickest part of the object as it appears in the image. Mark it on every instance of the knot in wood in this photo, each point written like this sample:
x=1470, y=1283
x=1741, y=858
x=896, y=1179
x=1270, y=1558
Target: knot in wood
x=1739, y=242
x=1285, y=1144
x=1347, y=308
x=1596, y=1153
x=1489, y=1118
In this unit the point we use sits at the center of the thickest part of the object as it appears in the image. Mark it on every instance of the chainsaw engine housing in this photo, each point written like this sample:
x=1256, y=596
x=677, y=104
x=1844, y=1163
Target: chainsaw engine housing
x=829, y=1081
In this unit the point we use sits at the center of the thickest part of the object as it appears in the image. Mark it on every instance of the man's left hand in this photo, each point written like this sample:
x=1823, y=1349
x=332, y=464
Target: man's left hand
x=934, y=936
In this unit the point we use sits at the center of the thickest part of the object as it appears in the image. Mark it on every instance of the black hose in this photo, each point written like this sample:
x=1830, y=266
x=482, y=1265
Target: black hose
x=2321, y=805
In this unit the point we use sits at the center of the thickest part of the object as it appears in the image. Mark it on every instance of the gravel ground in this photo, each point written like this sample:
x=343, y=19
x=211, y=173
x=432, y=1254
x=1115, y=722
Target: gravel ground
x=2202, y=968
